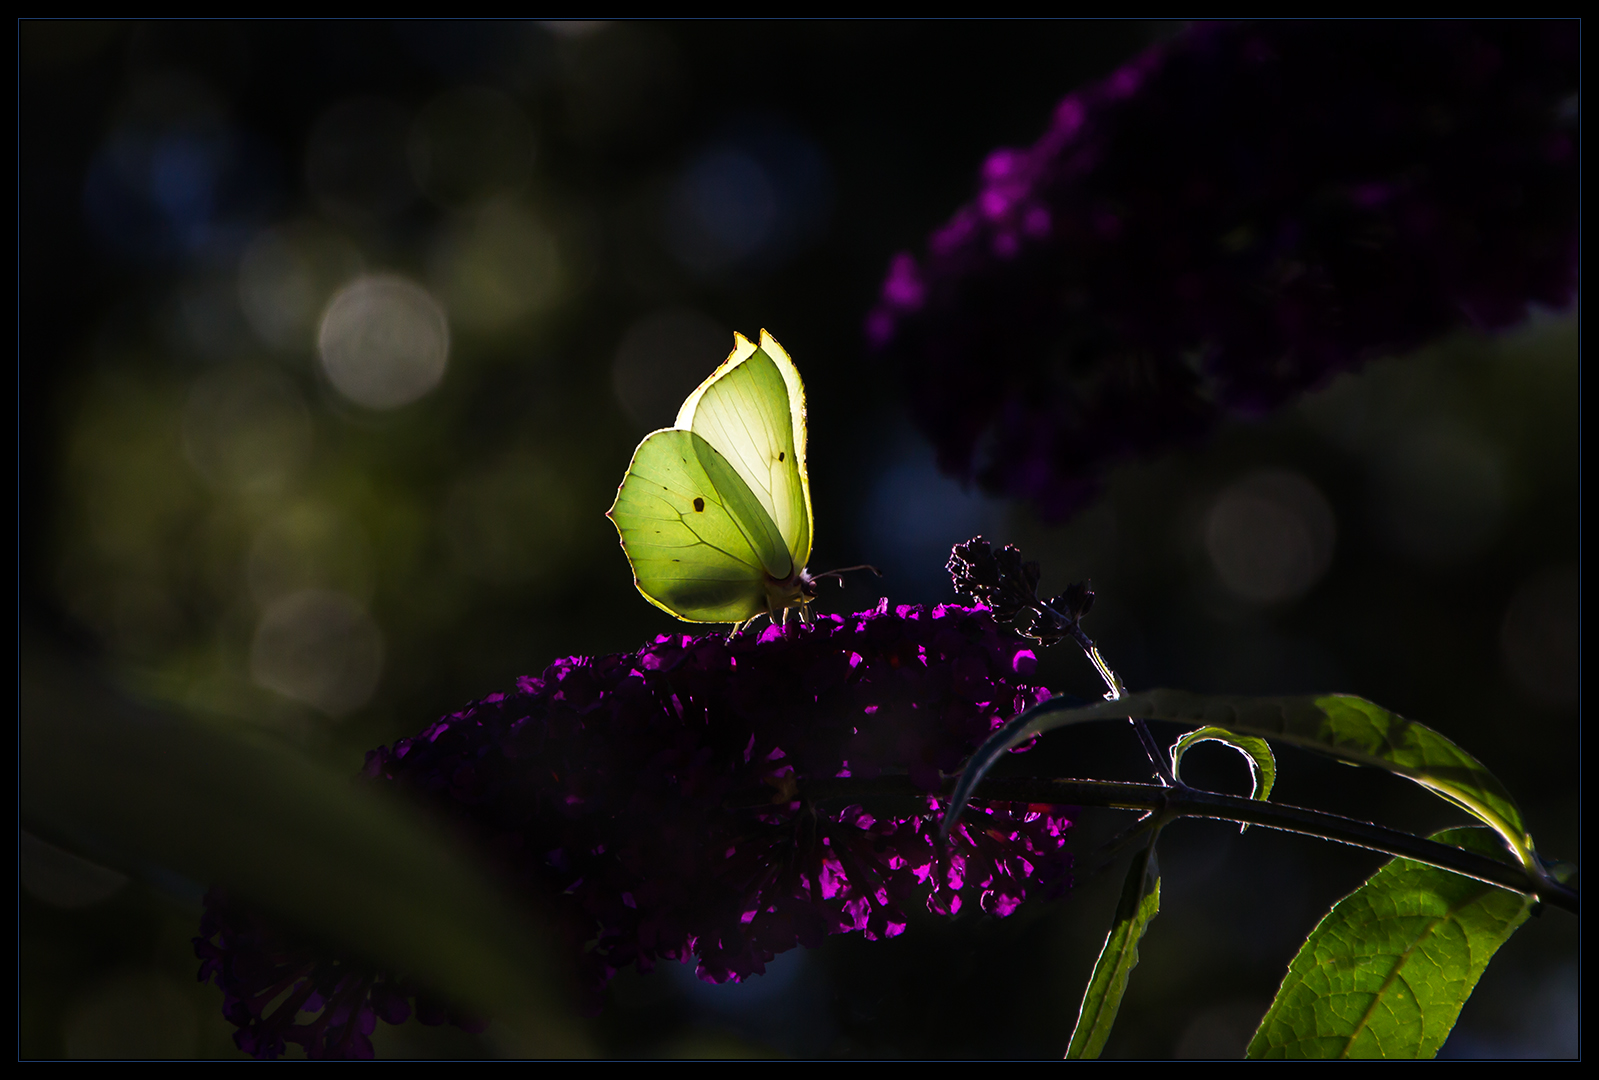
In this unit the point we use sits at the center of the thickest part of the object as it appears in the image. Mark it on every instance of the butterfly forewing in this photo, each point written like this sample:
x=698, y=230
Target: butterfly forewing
x=752, y=410
x=745, y=509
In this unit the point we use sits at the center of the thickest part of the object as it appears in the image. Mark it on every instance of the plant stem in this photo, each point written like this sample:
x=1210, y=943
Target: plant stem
x=1114, y=691
x=1174, y=802
x=1163, y=771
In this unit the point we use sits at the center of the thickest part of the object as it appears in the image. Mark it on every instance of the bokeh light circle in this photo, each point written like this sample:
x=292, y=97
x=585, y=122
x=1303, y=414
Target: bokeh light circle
x=319, y=647
x=384, y=341
x=286, y=275
x=494, y=266
x=723, y=210
x=1270, y=536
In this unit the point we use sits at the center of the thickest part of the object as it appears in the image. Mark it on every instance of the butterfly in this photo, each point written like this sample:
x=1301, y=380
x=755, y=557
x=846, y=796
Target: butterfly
x=714, y=513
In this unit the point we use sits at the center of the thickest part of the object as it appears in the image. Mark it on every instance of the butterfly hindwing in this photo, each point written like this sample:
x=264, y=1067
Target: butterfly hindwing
x=700, y=543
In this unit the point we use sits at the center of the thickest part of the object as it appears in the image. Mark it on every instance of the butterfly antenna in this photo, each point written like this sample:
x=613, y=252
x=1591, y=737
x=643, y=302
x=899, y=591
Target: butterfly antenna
x=839, y=574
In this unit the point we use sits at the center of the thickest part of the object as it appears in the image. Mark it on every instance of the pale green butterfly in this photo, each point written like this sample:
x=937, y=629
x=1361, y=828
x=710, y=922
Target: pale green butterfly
x=715, y=511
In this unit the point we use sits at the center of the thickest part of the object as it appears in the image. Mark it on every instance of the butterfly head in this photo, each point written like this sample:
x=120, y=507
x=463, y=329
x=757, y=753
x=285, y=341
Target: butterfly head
x=799, y=588
x=796, y=590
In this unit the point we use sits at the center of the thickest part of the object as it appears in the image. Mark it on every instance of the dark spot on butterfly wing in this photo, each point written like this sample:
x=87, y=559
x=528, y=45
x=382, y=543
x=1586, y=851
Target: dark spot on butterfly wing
x=699, y=505
x=781, y=454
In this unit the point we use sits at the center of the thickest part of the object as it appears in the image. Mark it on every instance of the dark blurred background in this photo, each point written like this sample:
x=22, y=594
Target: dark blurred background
x=240, y=501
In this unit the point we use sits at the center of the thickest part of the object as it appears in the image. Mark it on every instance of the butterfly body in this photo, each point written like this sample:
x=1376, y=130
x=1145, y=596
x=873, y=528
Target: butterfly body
x=714, y=513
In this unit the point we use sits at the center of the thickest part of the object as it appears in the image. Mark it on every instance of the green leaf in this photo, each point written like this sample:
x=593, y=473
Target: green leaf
x=1256, y=751
x=1386, y=971
x=1140, y=900
x=157, y=795
x=1342, y=725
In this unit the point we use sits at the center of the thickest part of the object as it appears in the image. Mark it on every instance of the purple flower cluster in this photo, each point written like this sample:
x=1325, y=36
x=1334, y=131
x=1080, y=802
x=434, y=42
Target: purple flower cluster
x=661, y=802
x=270, y=981
x=1229, y=220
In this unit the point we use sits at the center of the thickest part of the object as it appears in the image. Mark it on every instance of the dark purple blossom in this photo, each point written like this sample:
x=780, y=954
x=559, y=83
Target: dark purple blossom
x=278, y=989
x=1228, y=220
x=657, y=802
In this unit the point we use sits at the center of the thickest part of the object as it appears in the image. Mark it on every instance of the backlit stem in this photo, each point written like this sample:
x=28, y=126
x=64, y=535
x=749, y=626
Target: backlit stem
x=1114, y=692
